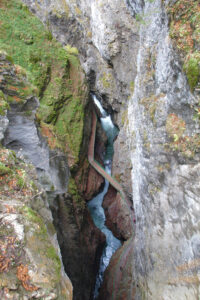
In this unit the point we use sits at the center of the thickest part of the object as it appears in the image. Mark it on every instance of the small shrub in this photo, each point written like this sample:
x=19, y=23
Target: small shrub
x=4, y=170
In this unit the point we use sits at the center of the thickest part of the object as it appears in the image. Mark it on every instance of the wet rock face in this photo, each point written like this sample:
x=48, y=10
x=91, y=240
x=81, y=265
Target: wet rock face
x=118, y=280
x=122, y=166
x=118, y=216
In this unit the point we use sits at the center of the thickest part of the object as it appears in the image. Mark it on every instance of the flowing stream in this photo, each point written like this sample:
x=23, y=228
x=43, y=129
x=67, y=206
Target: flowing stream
x=95, y=205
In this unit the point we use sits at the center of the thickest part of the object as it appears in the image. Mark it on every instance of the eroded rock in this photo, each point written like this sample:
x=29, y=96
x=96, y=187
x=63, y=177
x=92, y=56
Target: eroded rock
x=118, y=214
x=118, y=281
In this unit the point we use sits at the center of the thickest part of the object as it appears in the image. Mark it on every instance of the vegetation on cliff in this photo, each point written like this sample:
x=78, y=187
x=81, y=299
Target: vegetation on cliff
x=29, y=264
x=186, y=145
x=54, y=73
x=185, y=31
x=33, y=64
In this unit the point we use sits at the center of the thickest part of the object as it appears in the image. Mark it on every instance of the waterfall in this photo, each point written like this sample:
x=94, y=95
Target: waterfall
x=98, y=104
x=95, y=205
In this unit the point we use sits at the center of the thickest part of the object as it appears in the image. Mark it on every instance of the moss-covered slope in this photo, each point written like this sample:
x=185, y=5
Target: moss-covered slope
x=55, y=73
x=29, y=263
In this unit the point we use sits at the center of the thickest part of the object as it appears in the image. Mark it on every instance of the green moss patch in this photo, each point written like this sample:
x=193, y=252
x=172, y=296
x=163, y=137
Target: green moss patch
x=192, y=69
x=4, y=170
x=45, y=254
x=25, y=39
x=62, y=110
x=185, y=31
x=132, y=87
x=4, y=106
x=54, y=71
x=69, y=125
x=78, y=201
x=14, y=86
x=15, y=180
x=51, y=254
x=34, y=217
x=106, y=80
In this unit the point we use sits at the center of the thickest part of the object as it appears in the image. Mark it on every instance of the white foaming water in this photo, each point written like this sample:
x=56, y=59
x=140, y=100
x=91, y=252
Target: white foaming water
x=98, y=104
x=107, y=123
x=95, y=205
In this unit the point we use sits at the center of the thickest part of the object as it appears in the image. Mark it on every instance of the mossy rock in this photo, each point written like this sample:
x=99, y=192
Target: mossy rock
x=77, y=199
x=106, y=80
x=192, y=70
x=44, y=252
x=4, y=106
x=53, y=71
x=4, y=170
x=187, y=146
x=31, y=46
x=2, y=96
x=184, y=30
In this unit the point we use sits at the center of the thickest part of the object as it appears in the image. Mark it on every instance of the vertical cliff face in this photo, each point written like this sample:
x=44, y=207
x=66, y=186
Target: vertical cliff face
x=106, y=35
x=164, y=147
x=129, y=58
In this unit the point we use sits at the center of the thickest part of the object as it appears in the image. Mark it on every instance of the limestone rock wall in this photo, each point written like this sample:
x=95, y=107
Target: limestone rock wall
x=130, y=61
x=165, y=153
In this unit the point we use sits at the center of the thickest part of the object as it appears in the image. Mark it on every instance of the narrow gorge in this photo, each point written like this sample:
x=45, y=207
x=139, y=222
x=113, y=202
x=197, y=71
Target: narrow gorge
x=100, y=149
